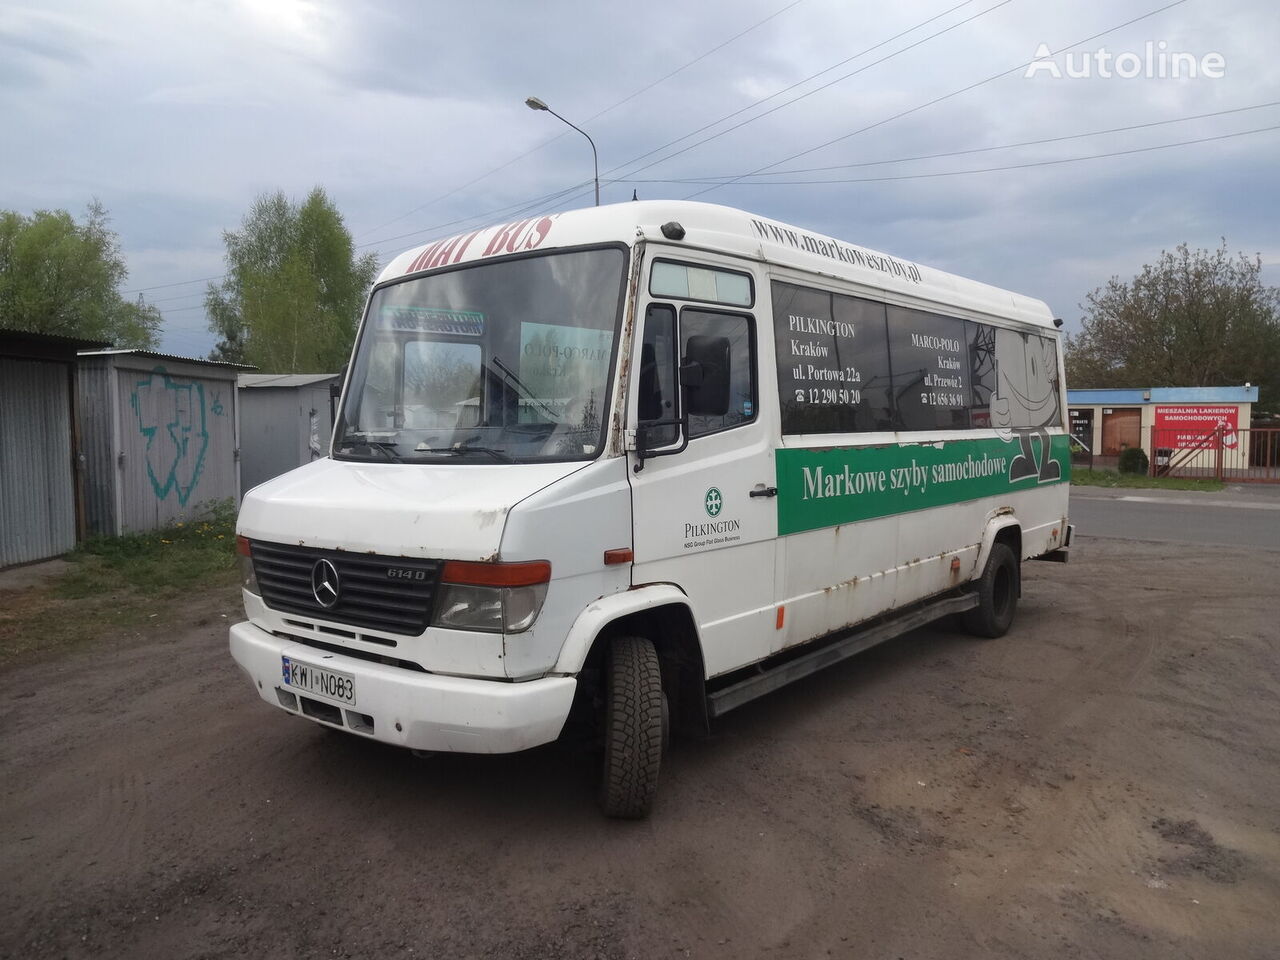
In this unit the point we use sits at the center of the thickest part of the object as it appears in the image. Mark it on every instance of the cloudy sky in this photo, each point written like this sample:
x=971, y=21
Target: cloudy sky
x=412, y=116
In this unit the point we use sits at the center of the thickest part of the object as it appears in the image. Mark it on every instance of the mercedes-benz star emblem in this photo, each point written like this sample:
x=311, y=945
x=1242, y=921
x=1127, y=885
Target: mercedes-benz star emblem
x=324, y=583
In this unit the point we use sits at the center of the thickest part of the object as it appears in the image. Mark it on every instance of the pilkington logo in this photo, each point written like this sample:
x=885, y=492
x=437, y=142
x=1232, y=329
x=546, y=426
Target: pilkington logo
x=708, y=529
x=713, y=502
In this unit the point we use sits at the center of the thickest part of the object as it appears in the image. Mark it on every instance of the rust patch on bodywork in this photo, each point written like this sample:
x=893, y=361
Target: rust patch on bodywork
x=851, y=582
x=618, y=421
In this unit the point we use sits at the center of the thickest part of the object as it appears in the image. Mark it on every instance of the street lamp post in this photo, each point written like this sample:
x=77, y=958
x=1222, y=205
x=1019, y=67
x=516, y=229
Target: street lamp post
x=533, y=103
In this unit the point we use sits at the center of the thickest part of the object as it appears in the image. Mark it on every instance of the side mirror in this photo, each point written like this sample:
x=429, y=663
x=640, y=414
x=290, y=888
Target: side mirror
x=704, y=373
x=690, y=373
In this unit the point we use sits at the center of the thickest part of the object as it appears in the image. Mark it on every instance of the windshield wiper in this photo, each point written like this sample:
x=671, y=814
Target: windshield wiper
x=382, y=444
x=519, y=385
x=466, y=446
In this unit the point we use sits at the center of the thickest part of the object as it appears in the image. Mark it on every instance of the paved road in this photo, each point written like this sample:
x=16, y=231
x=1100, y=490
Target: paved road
x=1233, y=520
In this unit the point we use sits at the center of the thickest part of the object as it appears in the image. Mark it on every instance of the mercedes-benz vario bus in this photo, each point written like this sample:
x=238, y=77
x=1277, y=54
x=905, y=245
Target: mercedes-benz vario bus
x=622, y=469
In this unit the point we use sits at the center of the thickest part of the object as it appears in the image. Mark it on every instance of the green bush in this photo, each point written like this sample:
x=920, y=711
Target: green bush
x=1133, y=460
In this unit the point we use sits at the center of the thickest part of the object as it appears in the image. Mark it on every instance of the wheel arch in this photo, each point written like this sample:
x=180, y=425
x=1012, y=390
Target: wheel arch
x=1003, y=527
x=662, y=613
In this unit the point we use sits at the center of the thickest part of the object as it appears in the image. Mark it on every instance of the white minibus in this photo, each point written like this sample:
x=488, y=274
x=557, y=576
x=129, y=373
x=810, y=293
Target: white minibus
x=619, y=470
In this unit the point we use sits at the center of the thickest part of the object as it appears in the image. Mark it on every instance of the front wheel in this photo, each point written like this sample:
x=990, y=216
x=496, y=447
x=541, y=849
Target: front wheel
x=997, y=595
x=635, y=722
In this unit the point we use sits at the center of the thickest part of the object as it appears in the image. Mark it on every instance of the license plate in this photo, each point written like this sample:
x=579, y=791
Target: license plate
x=317, y=680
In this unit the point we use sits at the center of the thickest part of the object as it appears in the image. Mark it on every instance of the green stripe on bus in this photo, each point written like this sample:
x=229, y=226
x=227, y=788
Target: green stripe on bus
x=823, y=488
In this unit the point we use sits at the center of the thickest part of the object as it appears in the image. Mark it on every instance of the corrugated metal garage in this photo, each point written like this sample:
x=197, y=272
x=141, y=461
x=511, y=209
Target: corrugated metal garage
x=161, y=437
x=286, y=420
x=38, y=503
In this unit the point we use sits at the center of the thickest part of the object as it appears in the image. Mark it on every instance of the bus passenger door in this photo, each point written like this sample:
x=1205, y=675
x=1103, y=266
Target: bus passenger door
x=696, y=523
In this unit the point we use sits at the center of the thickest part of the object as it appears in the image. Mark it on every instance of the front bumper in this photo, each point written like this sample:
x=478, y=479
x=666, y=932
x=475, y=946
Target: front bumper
x=422, y=711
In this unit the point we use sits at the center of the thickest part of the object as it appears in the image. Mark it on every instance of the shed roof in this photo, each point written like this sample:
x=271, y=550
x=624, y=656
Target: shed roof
x=43, y=346
x=1137, y=396
x=152, y=355
x=283, y=379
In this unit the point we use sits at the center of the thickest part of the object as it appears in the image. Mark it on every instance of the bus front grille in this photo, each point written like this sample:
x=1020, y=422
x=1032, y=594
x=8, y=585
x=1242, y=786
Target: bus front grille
x=393, y=594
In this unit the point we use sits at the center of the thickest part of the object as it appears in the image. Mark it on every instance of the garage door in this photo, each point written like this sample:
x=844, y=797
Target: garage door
x=1120, y=429
x=37, y=506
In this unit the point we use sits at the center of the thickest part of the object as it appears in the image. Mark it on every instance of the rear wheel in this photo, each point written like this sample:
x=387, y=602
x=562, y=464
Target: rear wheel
x=997, y=595
x=635, y=728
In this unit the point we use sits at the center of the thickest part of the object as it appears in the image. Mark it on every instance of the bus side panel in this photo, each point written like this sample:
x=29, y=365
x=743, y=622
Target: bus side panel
x=838, y=576
x=928, y=540
x=1044, y=520
x=835, y=576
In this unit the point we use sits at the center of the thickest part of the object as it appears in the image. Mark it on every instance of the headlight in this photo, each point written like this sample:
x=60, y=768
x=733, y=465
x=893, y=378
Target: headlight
x=491, y=597
x=248, y=577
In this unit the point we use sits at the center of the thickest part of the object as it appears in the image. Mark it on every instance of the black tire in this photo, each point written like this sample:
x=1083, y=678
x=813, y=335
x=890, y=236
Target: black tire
x=997, y=591
x=634, y=728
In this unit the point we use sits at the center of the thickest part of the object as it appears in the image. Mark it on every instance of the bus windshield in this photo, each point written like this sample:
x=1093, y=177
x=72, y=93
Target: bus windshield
x=506, y=361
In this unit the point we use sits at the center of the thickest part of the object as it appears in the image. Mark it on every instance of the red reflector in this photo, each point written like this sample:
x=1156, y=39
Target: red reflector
x=496, y=574
x=955, y=564
x=242, y=547
x=782, y=612
x=621, y=555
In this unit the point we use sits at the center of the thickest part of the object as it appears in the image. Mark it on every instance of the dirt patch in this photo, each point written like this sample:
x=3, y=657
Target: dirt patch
x=33, y=574
x=37, y=624
x=902, y=828
x=1200, y=853
x=1084, y=787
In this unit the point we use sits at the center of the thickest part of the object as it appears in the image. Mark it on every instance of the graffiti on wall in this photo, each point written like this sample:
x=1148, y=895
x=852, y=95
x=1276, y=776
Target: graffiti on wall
x=171, y=415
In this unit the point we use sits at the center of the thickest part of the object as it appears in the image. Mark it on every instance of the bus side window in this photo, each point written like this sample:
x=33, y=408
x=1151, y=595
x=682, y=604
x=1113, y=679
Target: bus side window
x=657, y=392
x=737, y=330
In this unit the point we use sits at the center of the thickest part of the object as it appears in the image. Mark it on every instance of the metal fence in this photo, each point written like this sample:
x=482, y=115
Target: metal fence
x=1239, y=456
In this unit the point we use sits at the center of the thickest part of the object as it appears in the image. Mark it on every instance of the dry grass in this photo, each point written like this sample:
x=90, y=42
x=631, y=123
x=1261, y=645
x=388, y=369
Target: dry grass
x=121, y=587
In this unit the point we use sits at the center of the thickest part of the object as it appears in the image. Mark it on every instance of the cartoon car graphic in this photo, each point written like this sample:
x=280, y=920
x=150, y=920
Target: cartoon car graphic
x=1025, y=401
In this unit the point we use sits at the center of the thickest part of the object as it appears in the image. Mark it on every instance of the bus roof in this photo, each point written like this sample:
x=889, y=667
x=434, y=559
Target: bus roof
x=727, y=230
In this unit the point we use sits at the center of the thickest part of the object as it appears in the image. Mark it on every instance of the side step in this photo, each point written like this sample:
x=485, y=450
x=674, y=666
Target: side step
x=770, y=678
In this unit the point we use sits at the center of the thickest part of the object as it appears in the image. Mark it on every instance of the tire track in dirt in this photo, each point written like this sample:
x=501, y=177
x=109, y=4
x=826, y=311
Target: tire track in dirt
x=117, y=827
x=1074, y=716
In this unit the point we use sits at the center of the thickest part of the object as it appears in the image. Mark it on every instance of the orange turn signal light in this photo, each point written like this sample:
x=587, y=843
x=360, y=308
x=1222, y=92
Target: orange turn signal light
x=496, y=574
x=242, y=546
x=620, y=555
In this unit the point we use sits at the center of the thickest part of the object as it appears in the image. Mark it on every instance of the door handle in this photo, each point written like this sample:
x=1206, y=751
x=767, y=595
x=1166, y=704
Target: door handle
x=762, y=491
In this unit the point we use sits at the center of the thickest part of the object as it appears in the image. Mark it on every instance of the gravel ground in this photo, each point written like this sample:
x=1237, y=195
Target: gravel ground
x=1100, y=783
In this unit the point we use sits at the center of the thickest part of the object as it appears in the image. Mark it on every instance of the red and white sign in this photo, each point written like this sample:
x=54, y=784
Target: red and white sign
x=504, y=238
x=1189, y=427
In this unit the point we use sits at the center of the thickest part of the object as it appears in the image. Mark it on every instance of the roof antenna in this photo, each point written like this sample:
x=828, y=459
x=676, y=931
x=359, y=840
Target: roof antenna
x=633, y=194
